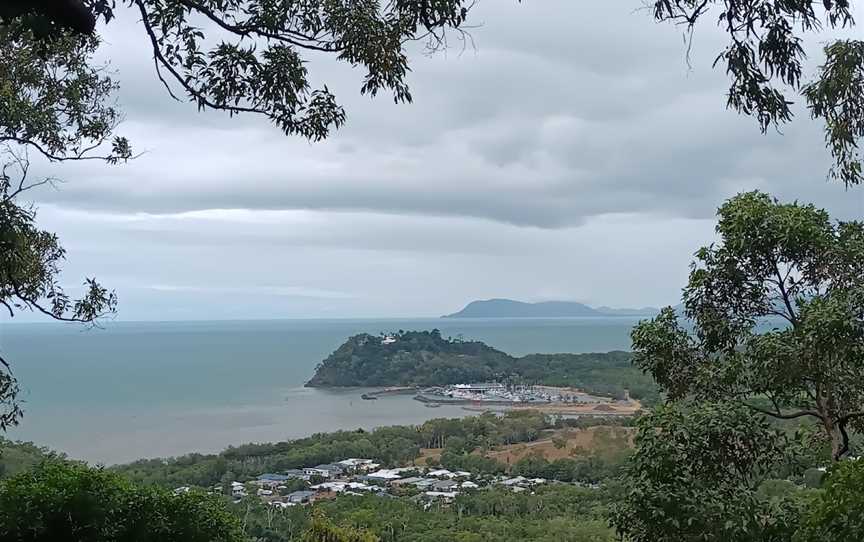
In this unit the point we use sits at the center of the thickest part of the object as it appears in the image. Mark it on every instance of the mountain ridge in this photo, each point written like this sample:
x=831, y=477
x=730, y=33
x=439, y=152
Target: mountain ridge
x=509, y=308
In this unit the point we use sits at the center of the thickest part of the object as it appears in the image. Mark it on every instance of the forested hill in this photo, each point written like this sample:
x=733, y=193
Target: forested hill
x=425, y=358
x=415, y=358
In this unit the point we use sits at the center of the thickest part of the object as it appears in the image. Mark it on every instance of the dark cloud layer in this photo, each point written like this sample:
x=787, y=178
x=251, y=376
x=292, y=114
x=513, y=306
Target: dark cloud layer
x=574, y=134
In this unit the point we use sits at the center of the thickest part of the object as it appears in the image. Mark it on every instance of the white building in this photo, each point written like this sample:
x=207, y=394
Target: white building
x=441, y=473
x=385, y=474
x=358, y=465
x=237, y=490
x=445, y=495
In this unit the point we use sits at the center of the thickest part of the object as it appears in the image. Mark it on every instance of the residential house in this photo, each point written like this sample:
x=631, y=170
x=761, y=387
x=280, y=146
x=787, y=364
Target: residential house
x=445, y=485
x=300, y=497
x=517, y=481
x=443, y=495
x=296, y=474
x=425, y=483
x=441, y=473
x=406, y=481
x=358, y=465
x=271, y=481
x=327, y=470
x=384, y=475
x=238, y=490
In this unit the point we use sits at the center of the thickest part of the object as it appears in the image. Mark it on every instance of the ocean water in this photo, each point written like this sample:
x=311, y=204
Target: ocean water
x=153, y=389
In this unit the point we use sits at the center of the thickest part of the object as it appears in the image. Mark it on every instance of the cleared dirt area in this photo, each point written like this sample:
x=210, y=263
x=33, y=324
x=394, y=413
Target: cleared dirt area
x=604, y=409
x=429, y=453
x=629, y=408
x=601, y=440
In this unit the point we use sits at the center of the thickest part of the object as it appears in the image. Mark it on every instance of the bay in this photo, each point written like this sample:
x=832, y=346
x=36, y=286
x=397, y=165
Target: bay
x=153, y=389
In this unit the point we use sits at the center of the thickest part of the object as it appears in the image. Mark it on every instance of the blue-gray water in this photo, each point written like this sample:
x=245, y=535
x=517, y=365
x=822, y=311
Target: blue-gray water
x=135, y=390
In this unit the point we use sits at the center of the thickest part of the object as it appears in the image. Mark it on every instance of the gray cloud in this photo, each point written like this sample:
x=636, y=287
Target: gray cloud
x=570, y=148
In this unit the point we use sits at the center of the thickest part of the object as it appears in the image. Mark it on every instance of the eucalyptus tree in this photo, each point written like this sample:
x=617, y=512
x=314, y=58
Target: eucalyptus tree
x=765, y=59
x=694, y=477
x=777, y=309
x=837, y=512
x=53, y=103
x=251, y=56
x=64, y=501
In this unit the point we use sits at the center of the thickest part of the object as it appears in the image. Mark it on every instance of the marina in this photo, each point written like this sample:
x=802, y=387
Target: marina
x=498, y=397
x=499, y=393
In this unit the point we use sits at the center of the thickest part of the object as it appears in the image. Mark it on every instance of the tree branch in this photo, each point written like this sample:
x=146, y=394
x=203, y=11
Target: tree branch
x=193, y=93
x=780, y=415
x=51, y=156
x=248, y=30
x=849, y=417
x=844, y=439
x=8, y=308
x=793, y=318
x=33, y=304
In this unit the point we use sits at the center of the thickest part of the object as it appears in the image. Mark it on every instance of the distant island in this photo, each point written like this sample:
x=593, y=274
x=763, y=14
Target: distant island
x=425, y=358
x=508, y=308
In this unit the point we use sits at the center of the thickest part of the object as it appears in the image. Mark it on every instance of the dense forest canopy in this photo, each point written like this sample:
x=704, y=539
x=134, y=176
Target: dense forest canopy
x=425, y=358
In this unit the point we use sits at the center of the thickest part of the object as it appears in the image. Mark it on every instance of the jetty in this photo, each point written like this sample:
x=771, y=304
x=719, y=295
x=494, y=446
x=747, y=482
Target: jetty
x=394, y=390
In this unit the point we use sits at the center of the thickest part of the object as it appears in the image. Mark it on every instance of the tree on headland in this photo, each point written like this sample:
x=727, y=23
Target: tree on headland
x=765, y=61
x=777, y=306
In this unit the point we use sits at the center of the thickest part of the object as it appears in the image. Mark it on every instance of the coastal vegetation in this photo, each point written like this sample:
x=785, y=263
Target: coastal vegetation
x=748, y=405
x=426, y=358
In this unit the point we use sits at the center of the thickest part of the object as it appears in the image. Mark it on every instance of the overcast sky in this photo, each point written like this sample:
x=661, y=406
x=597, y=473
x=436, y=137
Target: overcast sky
x=570, y=155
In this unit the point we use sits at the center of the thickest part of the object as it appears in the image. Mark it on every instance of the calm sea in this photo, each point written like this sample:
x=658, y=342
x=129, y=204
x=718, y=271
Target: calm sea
x=134, y=390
